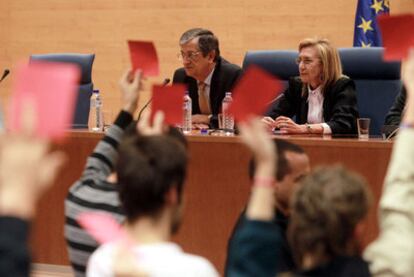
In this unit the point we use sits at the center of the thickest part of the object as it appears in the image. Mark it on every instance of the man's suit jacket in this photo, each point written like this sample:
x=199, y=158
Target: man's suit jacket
x=395, y=113
x=340, y=109
x=223, y=80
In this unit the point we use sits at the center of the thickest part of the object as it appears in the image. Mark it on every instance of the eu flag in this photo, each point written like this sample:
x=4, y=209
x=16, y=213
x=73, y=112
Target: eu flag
x=366, y=32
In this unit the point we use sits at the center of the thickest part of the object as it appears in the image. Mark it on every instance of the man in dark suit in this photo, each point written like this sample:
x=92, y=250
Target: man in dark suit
x=394, y=115
x=207, y=75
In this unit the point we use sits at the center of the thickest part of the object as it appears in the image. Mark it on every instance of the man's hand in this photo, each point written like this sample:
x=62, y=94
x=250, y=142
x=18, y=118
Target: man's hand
x=200, y=119
x=130, y=85
x=254, y=135
x=145, y=128
x=199, y=126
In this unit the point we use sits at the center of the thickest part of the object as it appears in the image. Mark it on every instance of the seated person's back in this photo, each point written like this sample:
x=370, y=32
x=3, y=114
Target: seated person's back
x=151, y=172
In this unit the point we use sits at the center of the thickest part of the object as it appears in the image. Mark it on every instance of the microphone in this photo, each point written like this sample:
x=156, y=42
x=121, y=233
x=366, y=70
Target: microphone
x=5, y=73
x=164, y=83
x=276, y=98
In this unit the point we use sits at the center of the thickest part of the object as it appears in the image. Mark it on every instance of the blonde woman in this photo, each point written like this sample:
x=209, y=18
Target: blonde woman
x=322, y=100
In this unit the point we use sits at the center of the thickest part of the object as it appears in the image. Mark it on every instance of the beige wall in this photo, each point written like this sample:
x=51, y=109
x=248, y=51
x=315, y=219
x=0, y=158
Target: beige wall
x=103, y=26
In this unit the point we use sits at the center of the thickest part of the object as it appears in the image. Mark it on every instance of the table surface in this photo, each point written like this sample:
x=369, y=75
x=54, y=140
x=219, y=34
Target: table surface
x=216, y=189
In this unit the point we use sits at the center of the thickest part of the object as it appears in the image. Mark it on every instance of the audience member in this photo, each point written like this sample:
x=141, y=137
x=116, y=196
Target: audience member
x=321, y=98
x=392, y=253
x=207, y=75
x=257, y=239
x=325, y=227
x=96, y=189
x=327, y=198
x=151, y=171
x=27, y=168
x=292, y=166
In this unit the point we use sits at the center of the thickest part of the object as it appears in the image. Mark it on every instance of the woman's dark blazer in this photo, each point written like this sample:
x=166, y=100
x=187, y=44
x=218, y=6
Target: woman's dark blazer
x=340, y=109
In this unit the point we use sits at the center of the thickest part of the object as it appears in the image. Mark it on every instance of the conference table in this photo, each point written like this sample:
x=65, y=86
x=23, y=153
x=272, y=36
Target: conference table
x=216, y=189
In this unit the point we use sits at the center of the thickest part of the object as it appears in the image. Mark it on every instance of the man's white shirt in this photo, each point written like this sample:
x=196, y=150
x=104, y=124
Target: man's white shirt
x=157, y=260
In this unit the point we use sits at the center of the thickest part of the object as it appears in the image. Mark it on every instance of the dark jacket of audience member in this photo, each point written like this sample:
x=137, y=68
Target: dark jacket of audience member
x=14, y=252
x=394, y=115
x=277, y=259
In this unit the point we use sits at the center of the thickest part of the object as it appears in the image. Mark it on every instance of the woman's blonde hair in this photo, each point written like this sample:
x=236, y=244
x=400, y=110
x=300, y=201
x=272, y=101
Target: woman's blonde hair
x=329, y=57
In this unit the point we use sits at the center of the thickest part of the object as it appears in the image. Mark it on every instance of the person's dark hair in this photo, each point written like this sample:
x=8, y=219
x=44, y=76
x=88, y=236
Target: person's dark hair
x=325, y=211
x=283, y=168
x=148, y=167
x=207, y=41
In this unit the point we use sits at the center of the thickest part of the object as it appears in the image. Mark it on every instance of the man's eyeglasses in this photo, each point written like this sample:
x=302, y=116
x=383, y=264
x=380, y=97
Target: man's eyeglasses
x=192, y=56
x=305, y=61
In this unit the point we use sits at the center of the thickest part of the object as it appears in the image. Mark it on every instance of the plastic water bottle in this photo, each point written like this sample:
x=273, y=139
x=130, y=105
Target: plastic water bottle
x=187, y=110
x=96, y=123
x=228, y=119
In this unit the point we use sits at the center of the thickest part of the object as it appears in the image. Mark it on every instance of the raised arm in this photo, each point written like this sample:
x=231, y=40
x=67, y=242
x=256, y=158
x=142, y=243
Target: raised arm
x=92, y=191
x=27, y=169
x=262, y=201
x=392, y=253
x=256, y=245
x=100, y=163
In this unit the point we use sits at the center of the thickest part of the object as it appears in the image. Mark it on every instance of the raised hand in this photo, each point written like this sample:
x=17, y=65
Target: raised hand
x=130, y=85
x=27, y=168
x=145, y=128
x=262, y=200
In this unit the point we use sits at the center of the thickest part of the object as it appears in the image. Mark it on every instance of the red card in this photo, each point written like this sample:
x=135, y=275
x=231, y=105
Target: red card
x=170, y=100
x=253, y=93
x=51, y=88
x=397, y=35
x=101, y=226
x=144, y=57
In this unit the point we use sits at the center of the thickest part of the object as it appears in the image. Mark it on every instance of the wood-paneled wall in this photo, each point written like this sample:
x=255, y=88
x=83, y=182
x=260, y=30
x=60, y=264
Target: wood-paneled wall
x=103, y=26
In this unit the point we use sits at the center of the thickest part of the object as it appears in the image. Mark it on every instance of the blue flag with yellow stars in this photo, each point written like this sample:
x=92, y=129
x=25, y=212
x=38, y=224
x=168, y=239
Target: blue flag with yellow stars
x=366, y=32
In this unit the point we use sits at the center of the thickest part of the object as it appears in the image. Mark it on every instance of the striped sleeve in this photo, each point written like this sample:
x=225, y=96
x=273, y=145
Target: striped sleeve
x=100, y=163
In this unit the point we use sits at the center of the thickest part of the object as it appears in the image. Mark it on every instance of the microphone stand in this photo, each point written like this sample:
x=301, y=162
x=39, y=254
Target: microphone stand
x=5, y=73
x=166, y=82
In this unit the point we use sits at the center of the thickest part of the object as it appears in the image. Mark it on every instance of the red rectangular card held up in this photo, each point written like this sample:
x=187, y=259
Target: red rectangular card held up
x=397, y=35
x=253, y=93
x=144, y=56
x=51, y=90
x=170, y=100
